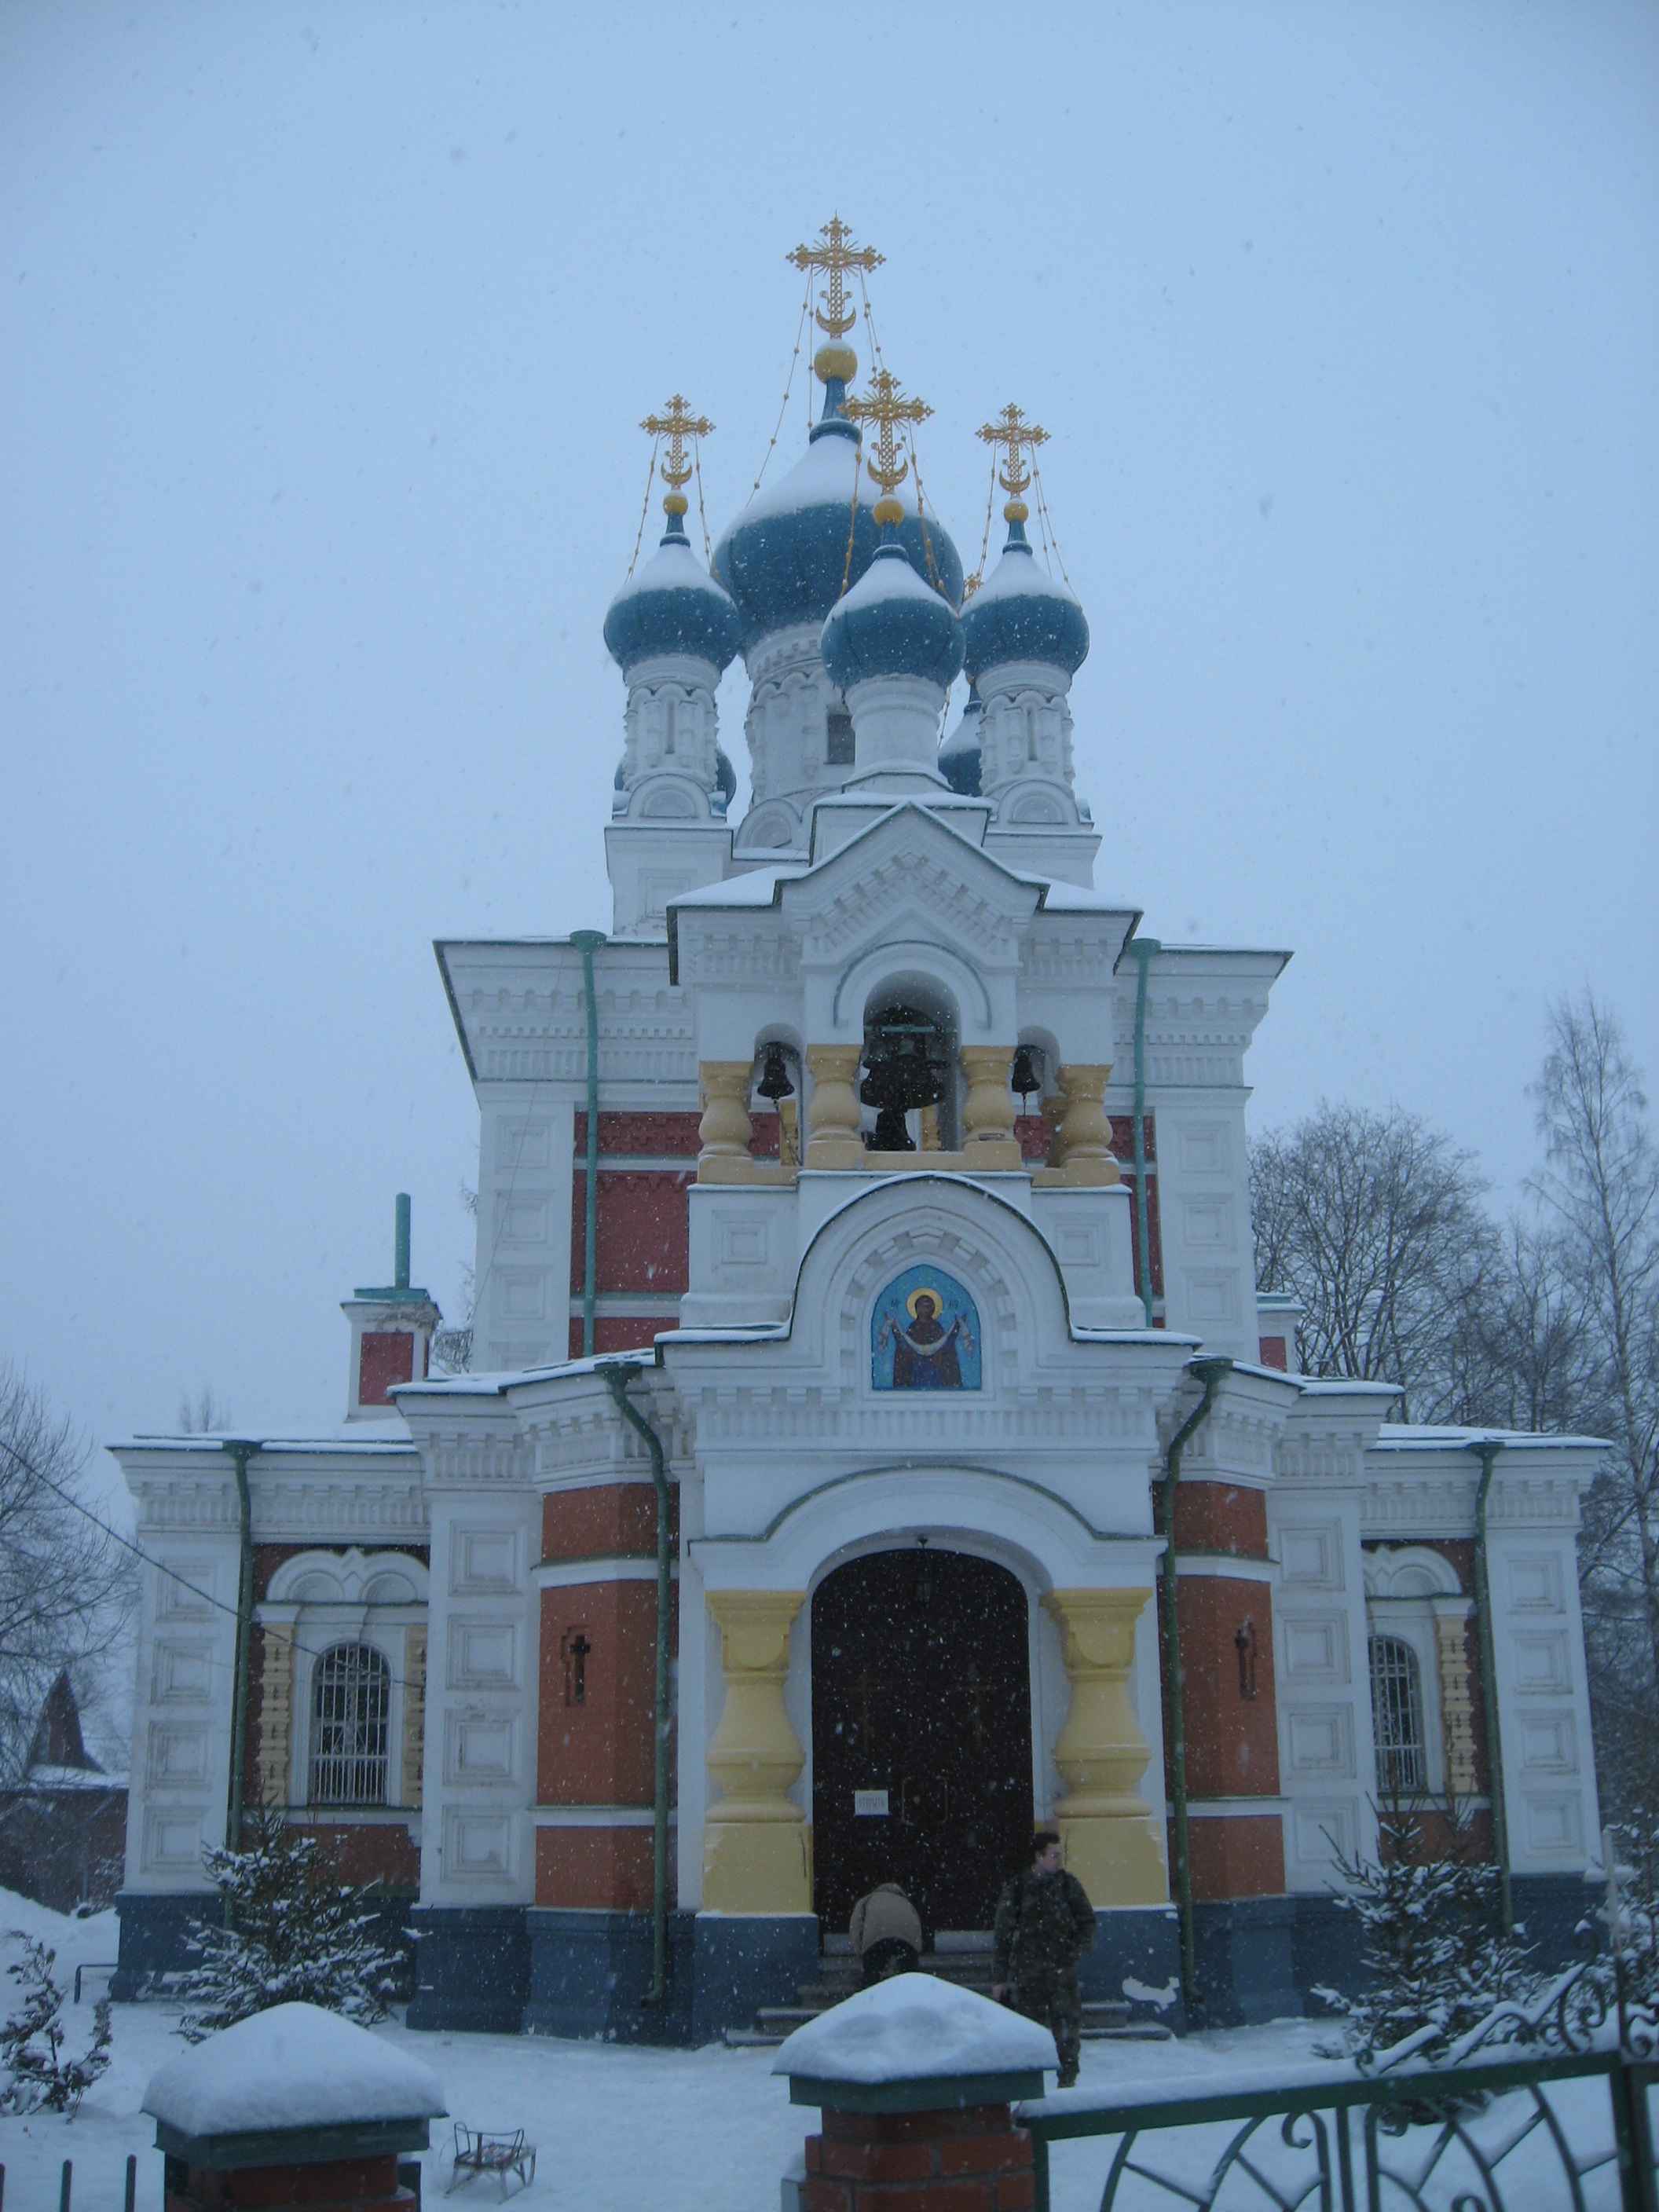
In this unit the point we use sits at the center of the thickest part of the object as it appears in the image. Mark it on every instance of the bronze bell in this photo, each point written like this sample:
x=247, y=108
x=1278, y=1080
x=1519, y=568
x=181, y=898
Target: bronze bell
x=774, y=1082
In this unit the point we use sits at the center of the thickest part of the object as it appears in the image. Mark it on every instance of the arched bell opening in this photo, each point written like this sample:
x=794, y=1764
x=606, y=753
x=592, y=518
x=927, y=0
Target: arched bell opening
x=922, y=1733
x=777, y=1096
x=909, y=1091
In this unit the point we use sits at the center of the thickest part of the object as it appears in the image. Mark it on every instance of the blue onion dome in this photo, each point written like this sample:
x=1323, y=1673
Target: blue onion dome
x=890, y=623
x=785, y=559
x=958, y=756
x=1020, y=613
x=725, y=777
x=672, y=605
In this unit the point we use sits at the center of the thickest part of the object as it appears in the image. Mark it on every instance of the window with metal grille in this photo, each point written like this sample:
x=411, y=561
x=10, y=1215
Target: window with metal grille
x=1397, y=1715
x=350, y=1700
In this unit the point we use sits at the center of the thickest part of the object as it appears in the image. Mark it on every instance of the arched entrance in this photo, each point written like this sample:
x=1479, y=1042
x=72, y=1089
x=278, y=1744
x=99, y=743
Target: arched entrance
x=922, y=1733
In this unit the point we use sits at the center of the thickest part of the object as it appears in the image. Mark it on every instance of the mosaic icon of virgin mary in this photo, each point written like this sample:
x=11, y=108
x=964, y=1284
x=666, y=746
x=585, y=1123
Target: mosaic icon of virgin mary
x=926, y=1324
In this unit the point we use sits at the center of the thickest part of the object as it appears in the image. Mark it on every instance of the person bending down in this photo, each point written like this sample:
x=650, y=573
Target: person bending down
x=886, y=1933
x=1044, y=1924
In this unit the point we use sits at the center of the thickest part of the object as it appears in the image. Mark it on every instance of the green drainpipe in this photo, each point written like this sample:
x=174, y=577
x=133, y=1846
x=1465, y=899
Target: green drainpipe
x=241, y=1454
x=1143, y=948
x=1209, y=1372
x=618, y=1377
x=586, y=942
x=1487, y=1452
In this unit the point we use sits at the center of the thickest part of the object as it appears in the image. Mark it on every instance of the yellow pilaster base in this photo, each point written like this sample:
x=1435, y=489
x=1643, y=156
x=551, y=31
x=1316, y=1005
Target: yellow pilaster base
x=1109, y=1830
x=757, y=1848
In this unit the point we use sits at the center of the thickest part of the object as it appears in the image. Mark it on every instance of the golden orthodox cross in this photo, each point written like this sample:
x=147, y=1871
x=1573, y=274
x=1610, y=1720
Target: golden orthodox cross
x=835, y=256
x=885, y=406
x=1018, y=437
x=676, y=424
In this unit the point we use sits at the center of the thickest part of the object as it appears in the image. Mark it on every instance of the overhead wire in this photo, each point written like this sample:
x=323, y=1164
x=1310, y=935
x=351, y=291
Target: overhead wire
x=160, y=1566
x=650, y=479
x=788, y=387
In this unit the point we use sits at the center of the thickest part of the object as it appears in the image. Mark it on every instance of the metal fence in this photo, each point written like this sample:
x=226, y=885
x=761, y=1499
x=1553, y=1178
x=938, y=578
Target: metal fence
x=1528, y=2132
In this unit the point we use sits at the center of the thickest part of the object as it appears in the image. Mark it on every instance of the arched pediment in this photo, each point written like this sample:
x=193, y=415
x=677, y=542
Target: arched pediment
x=1412, y=1570
x=350, y=1577
x=1003, y=1515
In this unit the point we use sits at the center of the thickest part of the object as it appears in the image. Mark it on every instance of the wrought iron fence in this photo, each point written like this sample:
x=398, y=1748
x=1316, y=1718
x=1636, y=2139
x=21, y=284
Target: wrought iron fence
x=1538, y=2106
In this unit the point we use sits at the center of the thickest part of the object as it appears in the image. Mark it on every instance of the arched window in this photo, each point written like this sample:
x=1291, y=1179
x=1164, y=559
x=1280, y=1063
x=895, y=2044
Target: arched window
x=350, y=1700
x=1397, y=1716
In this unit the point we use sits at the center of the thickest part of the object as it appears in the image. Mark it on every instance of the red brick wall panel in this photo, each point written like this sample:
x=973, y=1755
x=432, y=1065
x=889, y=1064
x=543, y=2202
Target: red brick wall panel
x=1232, y=1742
x=1220, y=1517
x=645, y=1232
x=597, y=1869
x=608, y=1522
x=621, y=1332
x=655, y=1136
x=1236, y=1855
x=365, y=1851
x=599, y=1751
x=1272, y=1351
x=385, y=1357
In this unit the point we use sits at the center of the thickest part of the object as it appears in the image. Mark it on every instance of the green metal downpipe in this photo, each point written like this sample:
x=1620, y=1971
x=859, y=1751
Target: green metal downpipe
x=586, y=942
x=1209, y=1372
x=241, y=1453
x=1143, y=948
x=617, y=1377
x=1487, y=1452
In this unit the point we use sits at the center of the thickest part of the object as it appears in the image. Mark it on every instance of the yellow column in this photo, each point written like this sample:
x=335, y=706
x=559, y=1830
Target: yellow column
x=988, y=1112
x=275, y=1713
x=724, y=1131
x=414, y=1714
x=1086, y=1132
x=1456, y=1704
x=1109, y=1829
x=832, y=1118
x=757, y=1847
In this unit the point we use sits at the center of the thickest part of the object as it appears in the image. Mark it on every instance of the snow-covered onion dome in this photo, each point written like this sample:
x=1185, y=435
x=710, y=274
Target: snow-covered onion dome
x=893, y=643
x=672, y=630
x=785, y=558
x=1021, y=613
x=671, y=606
x=958, y=756
x=1024, y=637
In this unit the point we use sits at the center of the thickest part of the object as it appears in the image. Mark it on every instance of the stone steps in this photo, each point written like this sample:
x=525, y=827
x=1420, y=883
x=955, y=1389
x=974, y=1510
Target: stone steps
x=962, y=1956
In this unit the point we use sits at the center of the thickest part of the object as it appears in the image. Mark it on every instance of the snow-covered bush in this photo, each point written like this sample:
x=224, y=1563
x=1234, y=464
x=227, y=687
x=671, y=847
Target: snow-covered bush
x=1437, y=1963
x=289, y=1935
x=39, y=2078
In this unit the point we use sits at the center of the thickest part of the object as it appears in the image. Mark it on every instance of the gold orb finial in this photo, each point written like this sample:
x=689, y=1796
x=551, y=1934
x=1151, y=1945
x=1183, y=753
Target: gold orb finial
x=835, y=255
x=1018, y=437
x=676, y=423
x=885, y=406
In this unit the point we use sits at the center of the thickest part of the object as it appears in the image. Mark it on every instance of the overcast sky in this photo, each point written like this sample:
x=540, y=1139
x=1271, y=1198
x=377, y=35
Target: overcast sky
x=327, y=330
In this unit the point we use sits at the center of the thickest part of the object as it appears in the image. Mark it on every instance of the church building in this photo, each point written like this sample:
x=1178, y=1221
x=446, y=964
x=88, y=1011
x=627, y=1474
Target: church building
x=873, y=1443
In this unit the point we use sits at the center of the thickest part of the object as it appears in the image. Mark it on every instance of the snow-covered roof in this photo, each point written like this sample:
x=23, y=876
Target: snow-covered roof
x=1404, y=1435
x=296, y=2066
x=915, y=2028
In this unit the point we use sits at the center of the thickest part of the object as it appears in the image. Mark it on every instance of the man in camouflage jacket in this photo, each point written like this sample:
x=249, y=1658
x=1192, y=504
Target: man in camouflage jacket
x=1044, y=1924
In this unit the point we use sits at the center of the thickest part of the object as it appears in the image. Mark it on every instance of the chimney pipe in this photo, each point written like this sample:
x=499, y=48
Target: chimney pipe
x=400, y=1273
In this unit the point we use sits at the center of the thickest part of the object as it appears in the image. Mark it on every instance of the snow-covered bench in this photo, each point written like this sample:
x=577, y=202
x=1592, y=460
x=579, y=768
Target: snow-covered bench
x=477, y=2151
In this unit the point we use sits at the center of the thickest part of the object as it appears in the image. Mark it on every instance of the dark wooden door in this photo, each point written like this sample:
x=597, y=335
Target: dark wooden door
x=921, y=1689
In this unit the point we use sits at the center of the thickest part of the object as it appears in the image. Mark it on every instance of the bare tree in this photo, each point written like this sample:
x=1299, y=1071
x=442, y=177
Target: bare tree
x=1375, y=1221
x=65, y=1583
x=451, y=1347
x=207, y=1416
x=1600, y=1188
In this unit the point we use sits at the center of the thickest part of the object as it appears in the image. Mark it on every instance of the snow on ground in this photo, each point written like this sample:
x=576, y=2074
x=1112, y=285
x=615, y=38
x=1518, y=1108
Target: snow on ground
x=708, y=2131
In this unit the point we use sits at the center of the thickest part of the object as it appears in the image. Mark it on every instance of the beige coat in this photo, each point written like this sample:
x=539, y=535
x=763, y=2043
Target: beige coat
x=886, y=1913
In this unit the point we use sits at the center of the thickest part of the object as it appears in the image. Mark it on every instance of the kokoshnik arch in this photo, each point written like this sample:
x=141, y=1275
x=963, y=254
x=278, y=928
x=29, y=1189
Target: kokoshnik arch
x=859, y=1222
